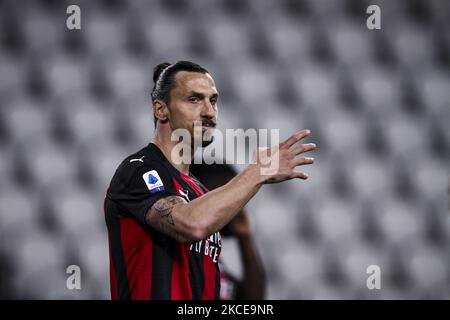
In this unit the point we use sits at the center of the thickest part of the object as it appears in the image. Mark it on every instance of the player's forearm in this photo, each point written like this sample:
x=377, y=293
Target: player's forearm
x=209, y=213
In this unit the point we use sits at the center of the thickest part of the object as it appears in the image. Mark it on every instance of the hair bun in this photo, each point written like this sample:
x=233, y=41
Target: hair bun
x=158, y=70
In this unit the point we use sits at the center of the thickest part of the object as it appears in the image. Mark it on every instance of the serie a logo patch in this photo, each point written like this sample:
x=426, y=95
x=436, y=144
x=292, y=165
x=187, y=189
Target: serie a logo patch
x=153, y=181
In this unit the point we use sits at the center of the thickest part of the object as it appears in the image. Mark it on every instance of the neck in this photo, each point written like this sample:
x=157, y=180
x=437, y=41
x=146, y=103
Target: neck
x=162, y=139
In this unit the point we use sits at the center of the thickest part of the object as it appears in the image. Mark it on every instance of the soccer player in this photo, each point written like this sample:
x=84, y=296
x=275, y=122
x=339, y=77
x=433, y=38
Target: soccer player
x=163, y=224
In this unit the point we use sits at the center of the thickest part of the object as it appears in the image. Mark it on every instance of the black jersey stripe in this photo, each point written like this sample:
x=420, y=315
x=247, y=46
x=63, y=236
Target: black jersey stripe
x=217, y=293
x=117, y=255
x=163, y=255
x=196, y=271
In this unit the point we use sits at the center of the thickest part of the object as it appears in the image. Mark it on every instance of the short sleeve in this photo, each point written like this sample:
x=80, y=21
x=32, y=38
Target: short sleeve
x=135, y=190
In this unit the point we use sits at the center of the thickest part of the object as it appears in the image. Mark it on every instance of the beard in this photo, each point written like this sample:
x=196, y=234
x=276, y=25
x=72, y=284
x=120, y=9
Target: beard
x=206, y=143
x=204, y=139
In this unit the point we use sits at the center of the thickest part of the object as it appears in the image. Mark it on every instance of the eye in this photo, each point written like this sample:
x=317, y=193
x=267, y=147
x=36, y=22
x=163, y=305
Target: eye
x=193, y=99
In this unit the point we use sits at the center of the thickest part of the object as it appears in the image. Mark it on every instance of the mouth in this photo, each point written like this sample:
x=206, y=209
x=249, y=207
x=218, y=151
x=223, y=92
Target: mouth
x=208, y=125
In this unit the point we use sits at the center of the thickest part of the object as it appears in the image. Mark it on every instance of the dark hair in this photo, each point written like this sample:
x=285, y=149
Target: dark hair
x=164, y=78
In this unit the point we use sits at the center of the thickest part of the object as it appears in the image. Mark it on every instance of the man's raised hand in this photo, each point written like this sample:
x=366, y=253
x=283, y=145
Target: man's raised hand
x=279, y=162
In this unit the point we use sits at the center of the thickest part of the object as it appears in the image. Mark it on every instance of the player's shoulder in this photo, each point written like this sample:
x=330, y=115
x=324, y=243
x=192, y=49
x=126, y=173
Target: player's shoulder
x=147, y=157
x=145, y=160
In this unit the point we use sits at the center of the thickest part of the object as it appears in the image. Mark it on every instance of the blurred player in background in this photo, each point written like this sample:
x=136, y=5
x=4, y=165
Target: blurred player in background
x=253, y=281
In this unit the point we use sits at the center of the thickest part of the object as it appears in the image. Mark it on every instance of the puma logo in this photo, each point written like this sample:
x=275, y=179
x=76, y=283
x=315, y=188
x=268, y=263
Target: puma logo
x=184, y=194
x=140, y=159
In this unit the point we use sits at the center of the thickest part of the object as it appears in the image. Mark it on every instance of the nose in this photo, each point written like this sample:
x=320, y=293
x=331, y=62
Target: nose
x=208, y=110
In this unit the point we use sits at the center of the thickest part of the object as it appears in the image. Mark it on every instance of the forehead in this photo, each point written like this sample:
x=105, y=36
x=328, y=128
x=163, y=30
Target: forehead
x=194, y=81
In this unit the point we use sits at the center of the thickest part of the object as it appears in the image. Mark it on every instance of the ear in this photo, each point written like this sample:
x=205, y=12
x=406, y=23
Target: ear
x=160, y=110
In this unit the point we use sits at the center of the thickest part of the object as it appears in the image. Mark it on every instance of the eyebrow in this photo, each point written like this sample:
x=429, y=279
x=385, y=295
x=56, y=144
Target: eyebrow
x=201, y=95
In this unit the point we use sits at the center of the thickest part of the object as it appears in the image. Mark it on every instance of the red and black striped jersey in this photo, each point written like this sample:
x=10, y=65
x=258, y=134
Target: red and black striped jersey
x=144, y=263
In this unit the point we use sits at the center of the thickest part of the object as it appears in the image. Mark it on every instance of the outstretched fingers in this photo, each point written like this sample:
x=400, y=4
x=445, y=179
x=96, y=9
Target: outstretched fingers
x=300, y=175
x=303, y=148
x=303, y=160
x=295, y=138
x=299, y=162
x=292, y=152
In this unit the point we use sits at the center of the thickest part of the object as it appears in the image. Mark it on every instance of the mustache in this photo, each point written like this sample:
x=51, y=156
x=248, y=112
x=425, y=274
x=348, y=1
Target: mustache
x=207, y=122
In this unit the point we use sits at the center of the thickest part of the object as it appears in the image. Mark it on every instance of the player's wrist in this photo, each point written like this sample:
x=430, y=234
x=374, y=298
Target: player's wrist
x=254, y=172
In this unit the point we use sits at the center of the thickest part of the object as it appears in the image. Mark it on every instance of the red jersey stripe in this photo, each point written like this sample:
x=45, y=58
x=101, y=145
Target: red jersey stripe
x=135, y=241
x=192, y=184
